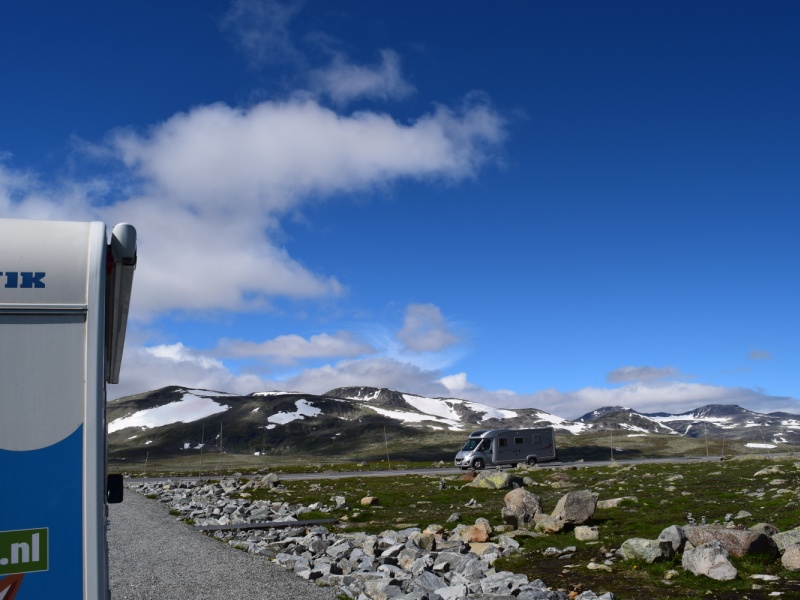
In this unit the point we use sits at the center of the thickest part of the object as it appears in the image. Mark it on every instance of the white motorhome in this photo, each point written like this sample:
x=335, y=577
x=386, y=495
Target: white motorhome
x=64, y=299
x=494, y=447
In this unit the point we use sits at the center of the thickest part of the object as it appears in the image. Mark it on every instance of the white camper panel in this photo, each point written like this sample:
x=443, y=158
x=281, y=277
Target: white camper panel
x=52, y=400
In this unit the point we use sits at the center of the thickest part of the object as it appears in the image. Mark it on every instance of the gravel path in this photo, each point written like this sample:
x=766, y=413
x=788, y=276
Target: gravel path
x=153, y=556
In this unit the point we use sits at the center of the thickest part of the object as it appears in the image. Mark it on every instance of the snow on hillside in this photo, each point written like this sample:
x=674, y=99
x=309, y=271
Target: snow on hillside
x=410, y=417
x=723, y=422
x=304, y=409
x=572, y=427
x=444, y=408
x=191, y=407
x=489, y=411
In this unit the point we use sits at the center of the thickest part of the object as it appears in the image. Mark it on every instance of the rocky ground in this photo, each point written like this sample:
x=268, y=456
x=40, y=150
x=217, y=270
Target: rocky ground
x=432, y=563
x=460, y=560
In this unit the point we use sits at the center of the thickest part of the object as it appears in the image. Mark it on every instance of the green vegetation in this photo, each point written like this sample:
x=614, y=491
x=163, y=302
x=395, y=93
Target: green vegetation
x=665, y=494
x=402, y=448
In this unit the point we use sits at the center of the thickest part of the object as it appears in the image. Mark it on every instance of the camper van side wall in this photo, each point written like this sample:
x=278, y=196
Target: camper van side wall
x=497, y=447
x=52, y=398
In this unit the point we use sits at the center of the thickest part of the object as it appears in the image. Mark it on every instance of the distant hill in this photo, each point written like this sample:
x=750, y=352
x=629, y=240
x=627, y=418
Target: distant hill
x=616, y=417
x=712, y=420
x=358, y=421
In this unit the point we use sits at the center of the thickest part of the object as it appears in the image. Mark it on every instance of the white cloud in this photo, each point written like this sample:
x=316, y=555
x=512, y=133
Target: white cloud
x=376, y=372
x=261, y=29
x=159, y=366
x=671, y=397
x=641, y=374
x=150, y=368
x=287, y=349
x=246, y=168
x=456, y=383
x=222, y=160
x=425, y=329
x=759, y=355
x=344, y=82
x=24, y=196
x=192, y=262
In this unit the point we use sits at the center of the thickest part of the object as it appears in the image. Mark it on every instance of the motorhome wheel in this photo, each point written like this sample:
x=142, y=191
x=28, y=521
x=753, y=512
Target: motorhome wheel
x=478, y=464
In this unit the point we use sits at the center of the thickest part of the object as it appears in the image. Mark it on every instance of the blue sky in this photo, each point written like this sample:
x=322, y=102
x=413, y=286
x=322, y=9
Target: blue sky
x=552, y=205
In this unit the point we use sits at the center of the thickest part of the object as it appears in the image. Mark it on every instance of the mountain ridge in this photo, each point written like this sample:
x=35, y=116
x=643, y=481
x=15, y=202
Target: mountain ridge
x=176, y=418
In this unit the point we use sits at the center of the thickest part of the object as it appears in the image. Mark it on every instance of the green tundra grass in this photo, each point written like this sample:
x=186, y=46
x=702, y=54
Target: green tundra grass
x=708, y=489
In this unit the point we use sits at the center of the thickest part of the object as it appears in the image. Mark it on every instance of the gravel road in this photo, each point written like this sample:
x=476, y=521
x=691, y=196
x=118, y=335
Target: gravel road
x=153, y=556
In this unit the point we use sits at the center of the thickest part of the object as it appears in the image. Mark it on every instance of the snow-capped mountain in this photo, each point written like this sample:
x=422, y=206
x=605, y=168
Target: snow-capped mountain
x=455, y=414
x=177, y=418
x=617, y=417
x=712, y=420
x=347, y=420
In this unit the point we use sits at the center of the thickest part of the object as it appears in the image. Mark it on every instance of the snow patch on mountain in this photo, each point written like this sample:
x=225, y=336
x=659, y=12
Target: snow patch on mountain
x=445, y=408
x=724, y=422
x=191, y=407
x=410, y=417
x=432, y=406
x=559, y=423
x=304, y=409
x=489, y=411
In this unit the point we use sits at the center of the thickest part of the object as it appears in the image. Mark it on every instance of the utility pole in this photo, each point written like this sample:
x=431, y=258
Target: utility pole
x=612, y=444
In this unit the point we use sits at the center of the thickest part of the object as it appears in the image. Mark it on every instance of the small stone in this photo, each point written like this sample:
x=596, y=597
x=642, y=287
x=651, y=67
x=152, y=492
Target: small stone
x=584, y=533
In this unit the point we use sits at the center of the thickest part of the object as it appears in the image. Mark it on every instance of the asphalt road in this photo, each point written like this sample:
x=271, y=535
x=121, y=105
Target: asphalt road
x=153, y=556
x=443, y=472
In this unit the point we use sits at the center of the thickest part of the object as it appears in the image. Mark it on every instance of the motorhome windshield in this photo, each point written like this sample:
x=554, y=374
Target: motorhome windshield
x=470, y=445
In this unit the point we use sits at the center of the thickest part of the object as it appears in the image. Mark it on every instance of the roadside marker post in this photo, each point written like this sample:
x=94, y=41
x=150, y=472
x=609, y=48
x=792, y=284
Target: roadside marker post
x=64, y=300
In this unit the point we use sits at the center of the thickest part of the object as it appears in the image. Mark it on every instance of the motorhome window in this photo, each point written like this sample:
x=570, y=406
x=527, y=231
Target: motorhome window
x=503, y=442
x=537, y=439
x=518, y=440
x=470, y=445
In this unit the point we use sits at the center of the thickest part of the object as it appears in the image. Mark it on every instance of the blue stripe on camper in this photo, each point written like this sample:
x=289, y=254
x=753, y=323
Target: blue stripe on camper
x=43, y=489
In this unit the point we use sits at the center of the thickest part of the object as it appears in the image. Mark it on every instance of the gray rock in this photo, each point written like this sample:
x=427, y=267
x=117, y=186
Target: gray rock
x=575, y=508
x=785, y=539
x=502, y=583
x=427, y=582
x=453, y=592
x=547, y=523
x=737, y=542
x=615, y=502
x=710, y=560
x=765, y=528
x=393, y=550
x=791, y=558
x=647, y=551
x=675, y=535
x=584, y=533
x=773, y=470
x=520, y=508
x=493, y=480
